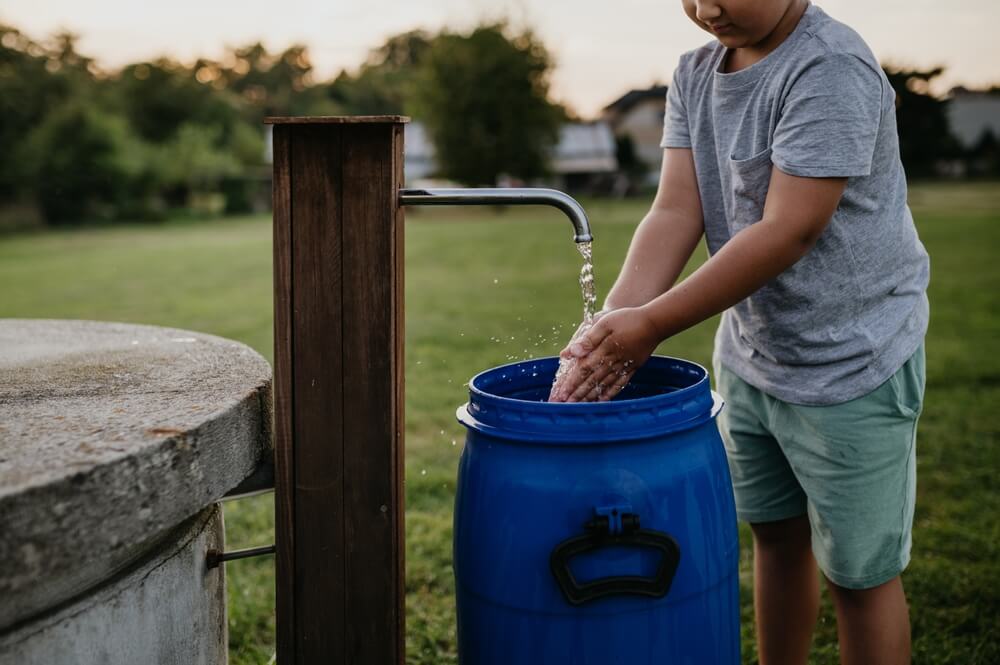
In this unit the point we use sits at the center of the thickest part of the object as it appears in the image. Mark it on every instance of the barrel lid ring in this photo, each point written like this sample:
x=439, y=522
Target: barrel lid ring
x=666, y=395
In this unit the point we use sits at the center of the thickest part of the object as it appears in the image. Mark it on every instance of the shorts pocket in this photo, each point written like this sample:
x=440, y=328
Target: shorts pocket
x=750, y=179
x=907, y=385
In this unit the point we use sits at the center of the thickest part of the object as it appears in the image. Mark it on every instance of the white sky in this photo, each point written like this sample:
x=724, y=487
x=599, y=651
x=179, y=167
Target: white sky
x=602, y=49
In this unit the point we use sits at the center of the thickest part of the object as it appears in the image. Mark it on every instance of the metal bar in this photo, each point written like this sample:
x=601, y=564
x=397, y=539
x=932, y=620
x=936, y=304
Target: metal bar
x=504, y=196
x=214, y=557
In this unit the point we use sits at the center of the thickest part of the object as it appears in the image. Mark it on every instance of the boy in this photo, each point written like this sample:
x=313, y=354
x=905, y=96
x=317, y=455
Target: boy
x=781, y=147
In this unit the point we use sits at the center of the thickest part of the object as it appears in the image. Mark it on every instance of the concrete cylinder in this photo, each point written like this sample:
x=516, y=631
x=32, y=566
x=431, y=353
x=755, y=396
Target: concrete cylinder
x=116, y=443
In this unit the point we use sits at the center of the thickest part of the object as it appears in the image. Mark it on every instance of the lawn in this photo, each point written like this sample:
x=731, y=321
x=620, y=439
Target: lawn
x=485, y=287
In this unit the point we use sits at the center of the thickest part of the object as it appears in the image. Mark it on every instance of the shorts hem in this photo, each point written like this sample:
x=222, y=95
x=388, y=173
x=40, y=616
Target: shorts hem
x=866, y=581
x=773, y=515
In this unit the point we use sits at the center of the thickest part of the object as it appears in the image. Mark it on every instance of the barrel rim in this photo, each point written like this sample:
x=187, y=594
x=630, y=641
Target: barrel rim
x=589, y=422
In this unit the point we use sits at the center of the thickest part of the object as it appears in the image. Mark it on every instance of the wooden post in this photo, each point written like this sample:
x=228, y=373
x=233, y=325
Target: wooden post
x=338, y=389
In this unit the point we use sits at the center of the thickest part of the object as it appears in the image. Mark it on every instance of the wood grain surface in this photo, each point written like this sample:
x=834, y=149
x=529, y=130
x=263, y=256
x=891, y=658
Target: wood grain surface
x=339, y=341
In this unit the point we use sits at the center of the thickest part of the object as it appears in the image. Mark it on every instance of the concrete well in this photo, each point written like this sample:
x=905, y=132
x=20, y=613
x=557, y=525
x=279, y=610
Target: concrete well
x=116, y=442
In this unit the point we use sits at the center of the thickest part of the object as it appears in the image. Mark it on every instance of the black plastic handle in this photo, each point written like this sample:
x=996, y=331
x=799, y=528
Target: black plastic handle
x=597, y=537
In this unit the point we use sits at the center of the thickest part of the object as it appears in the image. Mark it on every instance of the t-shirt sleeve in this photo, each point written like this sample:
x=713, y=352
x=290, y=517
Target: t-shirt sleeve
x=829, y=120
x=675, y=121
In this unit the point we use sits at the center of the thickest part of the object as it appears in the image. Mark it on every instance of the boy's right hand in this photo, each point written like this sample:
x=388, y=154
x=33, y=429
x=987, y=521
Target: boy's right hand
x=606, y=356
x=566, y=361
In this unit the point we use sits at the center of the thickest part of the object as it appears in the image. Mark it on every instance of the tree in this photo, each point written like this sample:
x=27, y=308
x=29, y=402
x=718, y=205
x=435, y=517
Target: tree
x=484, y=99
x=271, y=84
x=193, y=162
x=84, y=162
x=984, y=156
x=35, y=79
x=385, y=82
x=921, y=118
x=161, y=96
x=628, y=160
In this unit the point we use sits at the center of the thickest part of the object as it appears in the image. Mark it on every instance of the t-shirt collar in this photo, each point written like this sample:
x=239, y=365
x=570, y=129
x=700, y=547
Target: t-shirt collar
x=751, y=74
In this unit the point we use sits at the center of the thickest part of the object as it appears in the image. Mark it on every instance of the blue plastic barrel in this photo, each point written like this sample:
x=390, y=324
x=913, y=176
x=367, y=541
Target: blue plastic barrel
x=595, y=533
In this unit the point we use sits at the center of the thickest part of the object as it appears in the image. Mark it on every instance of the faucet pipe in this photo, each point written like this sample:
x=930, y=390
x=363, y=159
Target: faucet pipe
x=504, y=196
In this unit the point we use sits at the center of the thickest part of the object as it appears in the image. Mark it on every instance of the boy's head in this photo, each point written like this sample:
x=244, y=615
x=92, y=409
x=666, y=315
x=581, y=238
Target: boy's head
x=740, y=23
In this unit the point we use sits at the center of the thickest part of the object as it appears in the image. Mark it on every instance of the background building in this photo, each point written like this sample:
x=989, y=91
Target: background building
x=583, y=159
x=636, y=118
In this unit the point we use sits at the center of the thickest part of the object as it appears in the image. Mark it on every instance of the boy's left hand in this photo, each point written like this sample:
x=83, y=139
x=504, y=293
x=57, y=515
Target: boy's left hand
x=607, y=356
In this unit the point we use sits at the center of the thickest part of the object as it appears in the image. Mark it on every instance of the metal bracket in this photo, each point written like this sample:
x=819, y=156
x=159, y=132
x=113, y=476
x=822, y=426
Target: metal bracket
x=214, y=558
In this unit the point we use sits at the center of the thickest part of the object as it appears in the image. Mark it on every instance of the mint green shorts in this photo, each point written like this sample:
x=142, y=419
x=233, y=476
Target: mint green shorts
x=850, y=467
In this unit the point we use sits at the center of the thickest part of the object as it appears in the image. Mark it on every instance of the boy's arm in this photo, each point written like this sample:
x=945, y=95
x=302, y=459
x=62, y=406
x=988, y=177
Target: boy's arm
x=665, y=238
x=795, y=213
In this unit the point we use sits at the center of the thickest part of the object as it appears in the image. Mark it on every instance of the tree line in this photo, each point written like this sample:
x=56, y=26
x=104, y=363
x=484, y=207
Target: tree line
x=83, y=143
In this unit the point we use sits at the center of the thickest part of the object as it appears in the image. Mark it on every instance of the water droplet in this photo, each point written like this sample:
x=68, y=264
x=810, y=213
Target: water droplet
x=423, y=472
x=496, y=281
x=453, y=442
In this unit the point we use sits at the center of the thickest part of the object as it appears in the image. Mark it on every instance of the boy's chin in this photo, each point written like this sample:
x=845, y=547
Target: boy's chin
x=733, y=41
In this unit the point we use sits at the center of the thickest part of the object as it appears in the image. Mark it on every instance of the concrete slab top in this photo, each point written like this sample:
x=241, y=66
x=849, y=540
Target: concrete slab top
x=110, y=435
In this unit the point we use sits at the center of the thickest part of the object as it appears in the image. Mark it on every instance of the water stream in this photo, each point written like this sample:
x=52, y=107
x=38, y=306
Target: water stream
x=587, y=282
x=589, y=291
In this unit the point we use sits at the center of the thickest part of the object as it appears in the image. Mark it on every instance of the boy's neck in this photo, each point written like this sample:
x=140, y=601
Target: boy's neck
x=742, y=57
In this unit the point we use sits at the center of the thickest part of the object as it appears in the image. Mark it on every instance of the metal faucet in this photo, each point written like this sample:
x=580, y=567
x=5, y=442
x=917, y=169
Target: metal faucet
x=504, y=196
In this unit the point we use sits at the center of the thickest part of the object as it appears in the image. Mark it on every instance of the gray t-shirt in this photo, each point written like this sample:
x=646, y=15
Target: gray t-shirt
x=845, y=317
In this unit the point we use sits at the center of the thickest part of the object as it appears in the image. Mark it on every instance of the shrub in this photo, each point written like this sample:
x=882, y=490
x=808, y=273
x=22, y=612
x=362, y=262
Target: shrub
x=85, y=163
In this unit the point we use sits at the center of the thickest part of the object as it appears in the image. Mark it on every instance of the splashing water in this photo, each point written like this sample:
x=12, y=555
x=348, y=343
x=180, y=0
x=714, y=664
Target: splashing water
x=587, y=281
x=589, y=291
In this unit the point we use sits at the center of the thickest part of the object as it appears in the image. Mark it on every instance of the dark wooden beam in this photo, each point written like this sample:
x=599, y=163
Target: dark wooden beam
x=338, y=261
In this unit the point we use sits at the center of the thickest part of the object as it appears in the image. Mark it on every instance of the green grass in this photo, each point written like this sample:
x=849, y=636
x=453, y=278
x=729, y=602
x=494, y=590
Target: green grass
x=483, y=288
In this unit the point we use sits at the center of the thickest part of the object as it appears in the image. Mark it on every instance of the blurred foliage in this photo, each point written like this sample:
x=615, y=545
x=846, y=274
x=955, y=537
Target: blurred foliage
x=84, y=162
x=153, y=137
x=385, y=83
x=270, y=84
x=161, y=135
x=628, y=161
x=984, y=157
x=33, y=80
x=925, y=137
x=157, y=98
x=94, y=145
x=484, y=100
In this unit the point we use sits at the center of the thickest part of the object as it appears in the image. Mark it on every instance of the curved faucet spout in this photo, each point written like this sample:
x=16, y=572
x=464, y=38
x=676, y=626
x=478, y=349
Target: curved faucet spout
x=504, y=196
